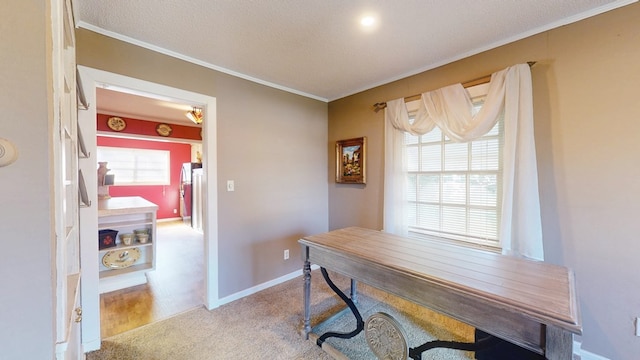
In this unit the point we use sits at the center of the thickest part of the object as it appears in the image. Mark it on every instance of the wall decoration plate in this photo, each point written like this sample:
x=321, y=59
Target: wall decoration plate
x=120, y=259
x=116, y=124
x=164, y=129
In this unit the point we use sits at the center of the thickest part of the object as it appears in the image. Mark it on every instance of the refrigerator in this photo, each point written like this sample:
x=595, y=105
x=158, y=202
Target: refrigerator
x=191, y=194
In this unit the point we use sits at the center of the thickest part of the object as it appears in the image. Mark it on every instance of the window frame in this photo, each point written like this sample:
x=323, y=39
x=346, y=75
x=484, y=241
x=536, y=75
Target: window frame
x=478, y=94
x=162, y=156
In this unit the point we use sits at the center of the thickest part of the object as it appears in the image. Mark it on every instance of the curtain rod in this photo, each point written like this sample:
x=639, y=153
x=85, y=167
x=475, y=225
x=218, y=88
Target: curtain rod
x=477, y=81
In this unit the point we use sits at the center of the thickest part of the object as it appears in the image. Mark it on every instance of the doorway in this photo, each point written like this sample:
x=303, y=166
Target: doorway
x=176, y=282
x=90, y=80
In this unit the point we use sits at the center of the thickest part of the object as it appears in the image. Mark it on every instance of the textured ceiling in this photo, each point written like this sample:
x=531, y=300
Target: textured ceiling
x=317, y=48
x=118, y=103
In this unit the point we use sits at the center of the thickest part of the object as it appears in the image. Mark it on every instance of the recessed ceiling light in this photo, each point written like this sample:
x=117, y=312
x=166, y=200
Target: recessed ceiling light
x=367, y=21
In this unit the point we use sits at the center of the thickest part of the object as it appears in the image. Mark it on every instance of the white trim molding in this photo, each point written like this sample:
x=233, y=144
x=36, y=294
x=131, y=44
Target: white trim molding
x=580, y=354
x=164, y=51
x=92, y=79
x=260, y=287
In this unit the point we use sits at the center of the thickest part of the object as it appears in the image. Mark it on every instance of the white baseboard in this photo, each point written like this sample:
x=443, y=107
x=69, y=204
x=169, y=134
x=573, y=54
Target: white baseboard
x=255, y=289
x=90, y=346
x=169, y=219
x=585, y=355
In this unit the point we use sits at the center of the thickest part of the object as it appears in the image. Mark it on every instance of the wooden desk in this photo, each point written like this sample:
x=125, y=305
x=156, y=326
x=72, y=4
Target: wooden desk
x=529, y=303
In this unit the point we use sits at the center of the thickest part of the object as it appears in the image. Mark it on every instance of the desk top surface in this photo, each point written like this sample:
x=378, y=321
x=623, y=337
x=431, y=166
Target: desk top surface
x=539, y=289
x=125, y=205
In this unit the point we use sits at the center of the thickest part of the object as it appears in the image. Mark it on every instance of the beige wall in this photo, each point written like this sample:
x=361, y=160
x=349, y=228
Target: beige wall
x=27, y=233
x=270, y=142
x=586, y=88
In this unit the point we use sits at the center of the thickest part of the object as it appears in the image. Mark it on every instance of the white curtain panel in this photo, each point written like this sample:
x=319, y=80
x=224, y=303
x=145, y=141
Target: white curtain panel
x=395, y=166
x=450, y=108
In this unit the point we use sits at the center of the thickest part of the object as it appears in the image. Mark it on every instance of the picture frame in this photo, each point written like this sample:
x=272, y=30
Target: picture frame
x=351, y=160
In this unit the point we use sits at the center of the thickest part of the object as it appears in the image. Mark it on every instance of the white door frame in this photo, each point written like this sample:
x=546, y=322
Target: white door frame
x=91, y=79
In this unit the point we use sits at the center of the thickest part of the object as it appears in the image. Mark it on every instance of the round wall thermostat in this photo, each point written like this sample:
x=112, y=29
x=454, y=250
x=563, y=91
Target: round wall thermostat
x=8, y=152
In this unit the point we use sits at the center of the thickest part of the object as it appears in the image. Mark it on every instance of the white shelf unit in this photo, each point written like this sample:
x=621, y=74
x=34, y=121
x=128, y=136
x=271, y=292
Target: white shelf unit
x=66, y=183
x=126, y=214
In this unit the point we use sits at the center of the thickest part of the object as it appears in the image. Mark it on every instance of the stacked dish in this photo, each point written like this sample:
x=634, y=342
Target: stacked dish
x=126, y=239
x=142, y=235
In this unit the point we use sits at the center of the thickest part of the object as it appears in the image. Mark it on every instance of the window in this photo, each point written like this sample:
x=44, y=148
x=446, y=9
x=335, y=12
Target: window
x=136, y=166
x=454, y=189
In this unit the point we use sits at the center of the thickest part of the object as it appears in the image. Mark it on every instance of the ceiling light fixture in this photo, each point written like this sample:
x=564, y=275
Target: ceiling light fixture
x=367, y=21
x=195, y=115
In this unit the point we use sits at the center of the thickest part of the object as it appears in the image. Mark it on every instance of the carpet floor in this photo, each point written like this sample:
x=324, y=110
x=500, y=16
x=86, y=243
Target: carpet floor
x=268, y=325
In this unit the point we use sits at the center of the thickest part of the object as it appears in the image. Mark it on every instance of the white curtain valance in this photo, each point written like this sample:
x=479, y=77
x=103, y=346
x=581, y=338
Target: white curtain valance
x=450, y=108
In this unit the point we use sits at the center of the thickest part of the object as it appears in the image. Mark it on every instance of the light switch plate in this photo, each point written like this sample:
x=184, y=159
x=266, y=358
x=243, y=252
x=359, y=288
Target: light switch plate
x=230, y=185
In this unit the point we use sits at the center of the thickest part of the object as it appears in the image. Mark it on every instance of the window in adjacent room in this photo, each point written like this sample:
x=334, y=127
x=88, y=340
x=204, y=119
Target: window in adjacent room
x=454, y=189
x=136, y=166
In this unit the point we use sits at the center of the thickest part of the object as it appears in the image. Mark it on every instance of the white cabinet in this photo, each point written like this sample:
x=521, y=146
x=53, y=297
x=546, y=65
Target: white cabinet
x=124, y=265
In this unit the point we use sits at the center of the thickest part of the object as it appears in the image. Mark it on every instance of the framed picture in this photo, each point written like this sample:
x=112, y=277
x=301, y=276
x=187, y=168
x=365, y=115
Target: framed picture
x=351, y=162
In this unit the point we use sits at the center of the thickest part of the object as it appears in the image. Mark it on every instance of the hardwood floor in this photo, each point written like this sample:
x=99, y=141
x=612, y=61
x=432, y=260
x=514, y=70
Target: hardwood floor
x=175, y=286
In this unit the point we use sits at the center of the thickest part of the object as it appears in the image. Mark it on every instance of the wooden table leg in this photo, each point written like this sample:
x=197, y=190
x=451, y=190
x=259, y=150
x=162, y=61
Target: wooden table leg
x=306, y=271
x=559, y=344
